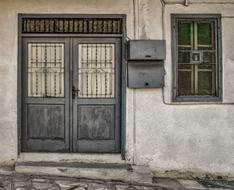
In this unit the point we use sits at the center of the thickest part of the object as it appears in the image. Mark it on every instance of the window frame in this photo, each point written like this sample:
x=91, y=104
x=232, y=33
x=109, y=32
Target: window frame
x=196, y=17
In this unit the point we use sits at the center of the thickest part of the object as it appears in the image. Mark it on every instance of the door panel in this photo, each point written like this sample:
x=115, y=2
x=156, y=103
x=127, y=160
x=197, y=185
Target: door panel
x=96, y=75
x=46, y=122
x=46, y=97
x=96, y=122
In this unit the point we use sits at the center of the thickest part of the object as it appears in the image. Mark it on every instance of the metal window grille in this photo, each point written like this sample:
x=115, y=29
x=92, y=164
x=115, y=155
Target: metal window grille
x=96, y=71
x=45, y=70
x=72, y=25
x=197, y=62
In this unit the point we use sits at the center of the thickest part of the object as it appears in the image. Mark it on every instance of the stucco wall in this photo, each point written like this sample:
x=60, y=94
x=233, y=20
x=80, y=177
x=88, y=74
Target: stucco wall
x=186, y=137
x=197, y=138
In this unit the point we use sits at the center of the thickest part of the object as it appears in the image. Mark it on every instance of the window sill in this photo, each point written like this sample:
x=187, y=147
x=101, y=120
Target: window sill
x=197, y=99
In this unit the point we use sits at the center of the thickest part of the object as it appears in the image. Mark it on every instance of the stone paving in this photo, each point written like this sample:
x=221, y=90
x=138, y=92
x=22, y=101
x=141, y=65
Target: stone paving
x=31, y=182
x=28, y=182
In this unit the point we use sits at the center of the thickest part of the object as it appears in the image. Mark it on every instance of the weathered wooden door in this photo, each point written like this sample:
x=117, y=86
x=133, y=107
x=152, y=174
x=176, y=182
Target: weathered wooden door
x=96, y=95
x=71, y=95
x=45, y=91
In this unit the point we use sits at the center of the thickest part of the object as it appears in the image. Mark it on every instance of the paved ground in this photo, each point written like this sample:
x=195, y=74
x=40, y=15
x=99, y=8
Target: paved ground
x=28, y=182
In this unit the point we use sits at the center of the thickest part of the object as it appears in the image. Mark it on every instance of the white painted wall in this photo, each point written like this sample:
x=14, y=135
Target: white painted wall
x=198, y=138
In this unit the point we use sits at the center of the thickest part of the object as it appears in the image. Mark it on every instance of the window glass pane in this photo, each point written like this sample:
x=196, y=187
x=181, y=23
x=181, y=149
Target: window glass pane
x=45, y=70
x=184, y=36
x=204, y=31
x=184, y=83
x=96, y=70
x=205, y=67
x=209, y=57
x=208, y=52
x=184, y=66
x=184, y=55
x=205, y=81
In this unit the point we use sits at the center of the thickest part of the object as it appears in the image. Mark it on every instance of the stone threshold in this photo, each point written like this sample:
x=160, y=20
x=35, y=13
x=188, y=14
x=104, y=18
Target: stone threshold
x=76, y=165
x=98, y=171
x=70, y=157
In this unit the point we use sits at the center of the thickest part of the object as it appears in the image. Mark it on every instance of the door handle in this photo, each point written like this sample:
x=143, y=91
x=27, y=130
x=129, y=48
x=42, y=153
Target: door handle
x=74, y=92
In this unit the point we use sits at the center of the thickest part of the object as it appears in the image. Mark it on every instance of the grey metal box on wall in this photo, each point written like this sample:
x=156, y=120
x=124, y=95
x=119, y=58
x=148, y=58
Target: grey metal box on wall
x=146, y=63
x=146, y=50
x=148, y=74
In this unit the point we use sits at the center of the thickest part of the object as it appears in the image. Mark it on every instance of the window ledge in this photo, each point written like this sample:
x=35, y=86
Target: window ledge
x=197, y=99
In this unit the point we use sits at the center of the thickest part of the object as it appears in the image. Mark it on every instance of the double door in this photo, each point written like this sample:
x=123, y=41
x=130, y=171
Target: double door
x=71, y=95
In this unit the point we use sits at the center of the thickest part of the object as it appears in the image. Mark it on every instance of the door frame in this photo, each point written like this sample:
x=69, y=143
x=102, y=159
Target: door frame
x=122, y=36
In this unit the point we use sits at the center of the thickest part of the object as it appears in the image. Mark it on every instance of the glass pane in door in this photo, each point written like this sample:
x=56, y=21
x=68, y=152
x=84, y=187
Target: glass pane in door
x=46, y=70
x=96, y=70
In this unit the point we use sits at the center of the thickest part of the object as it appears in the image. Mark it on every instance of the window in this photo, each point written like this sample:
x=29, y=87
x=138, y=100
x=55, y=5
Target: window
x=196, y=58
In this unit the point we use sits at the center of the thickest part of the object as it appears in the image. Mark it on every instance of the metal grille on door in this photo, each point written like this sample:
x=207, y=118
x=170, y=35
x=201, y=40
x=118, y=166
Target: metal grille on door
x=45, y=70
x=96, y=71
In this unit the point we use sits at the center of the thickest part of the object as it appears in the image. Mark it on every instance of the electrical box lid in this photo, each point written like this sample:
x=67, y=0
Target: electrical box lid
x=147, y=50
